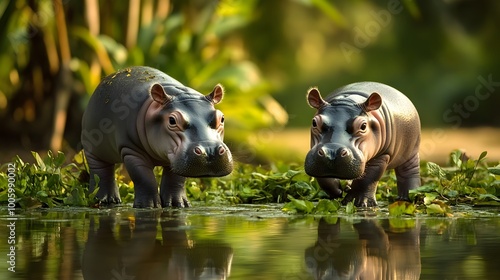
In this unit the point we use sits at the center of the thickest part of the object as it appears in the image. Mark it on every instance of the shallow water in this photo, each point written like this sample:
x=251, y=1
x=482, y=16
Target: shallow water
x=245, y=242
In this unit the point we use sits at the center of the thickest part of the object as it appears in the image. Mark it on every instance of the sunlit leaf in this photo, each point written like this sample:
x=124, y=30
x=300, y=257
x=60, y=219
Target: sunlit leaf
x=494, y=170
x=350, y=208
x=435, y=170
x=433, y=209
x=400, y=208
x=39, y=160
x=327, y=206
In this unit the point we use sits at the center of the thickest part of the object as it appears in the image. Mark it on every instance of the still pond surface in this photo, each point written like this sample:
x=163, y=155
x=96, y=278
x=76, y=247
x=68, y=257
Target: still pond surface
x=245, y=242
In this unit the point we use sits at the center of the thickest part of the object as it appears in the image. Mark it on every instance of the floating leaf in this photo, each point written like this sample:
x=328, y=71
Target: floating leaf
x=429, y=198
x=303, y=205
x=400, y=208
x=439, y=208
x=327, y=206
x=434, y=209
x=350, y=208
x=488, y=196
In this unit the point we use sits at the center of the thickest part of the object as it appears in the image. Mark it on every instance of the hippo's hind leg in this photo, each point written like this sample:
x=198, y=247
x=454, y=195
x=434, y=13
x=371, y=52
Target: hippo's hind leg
x=145, y=185
x=363, y=189
x=172, y=191
x=408, y=177
x=108, y=190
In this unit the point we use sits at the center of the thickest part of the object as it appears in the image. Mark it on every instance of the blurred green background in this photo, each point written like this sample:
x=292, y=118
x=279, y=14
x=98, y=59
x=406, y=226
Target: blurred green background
x=443, y=54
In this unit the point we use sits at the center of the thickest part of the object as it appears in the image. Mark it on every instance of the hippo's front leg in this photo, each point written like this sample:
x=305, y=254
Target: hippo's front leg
x=363, y=189
x=145, y=185
x=172, y=191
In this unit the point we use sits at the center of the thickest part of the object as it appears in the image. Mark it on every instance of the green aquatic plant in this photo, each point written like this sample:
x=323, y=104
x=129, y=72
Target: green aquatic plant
x=45, y=182
x=465, y=180
x=51, y=182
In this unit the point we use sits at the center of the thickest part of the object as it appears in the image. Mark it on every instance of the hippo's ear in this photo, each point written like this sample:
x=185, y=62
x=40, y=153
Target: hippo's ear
x=158, y=94
x=216, y=95
x=373, y=102
x=314, y=99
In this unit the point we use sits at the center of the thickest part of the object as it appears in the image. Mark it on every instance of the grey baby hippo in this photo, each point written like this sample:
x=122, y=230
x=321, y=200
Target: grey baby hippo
x=358, y=132
x=144, y=118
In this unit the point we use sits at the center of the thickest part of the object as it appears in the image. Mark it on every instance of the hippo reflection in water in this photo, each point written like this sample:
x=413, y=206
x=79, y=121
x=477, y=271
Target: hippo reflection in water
x=378, y=253
x=138, y=254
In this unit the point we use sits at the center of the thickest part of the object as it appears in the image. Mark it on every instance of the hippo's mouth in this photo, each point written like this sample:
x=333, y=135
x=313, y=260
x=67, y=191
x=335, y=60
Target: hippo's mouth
x=196, y=170
x=197, y=161
x=346, y=169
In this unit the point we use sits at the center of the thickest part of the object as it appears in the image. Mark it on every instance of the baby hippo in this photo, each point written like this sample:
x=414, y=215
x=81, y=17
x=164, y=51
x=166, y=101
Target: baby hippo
x=144, y=118
x=358, y=132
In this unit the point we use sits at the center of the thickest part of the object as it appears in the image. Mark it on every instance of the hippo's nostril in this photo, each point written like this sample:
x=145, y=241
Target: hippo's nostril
x=198, y=150
x=344, y=152
x=222, y=150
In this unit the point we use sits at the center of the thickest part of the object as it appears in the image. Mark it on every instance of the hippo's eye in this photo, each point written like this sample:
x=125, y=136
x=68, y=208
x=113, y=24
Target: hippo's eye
x=317, y=123
x=218, y=121
x=363, y=126
x=176, y=121
x=172, y=121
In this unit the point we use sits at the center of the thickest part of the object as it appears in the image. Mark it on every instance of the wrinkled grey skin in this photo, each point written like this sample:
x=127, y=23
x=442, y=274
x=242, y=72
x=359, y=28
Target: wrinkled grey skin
x=358, y=132
x=144, y=118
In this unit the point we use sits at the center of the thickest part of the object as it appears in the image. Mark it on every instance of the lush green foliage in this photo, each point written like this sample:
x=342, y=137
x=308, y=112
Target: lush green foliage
x=192, y=42
x=46, y=182
x=49, y=182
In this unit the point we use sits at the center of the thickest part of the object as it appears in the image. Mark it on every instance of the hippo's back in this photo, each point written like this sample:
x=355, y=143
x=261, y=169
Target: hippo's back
x=128, y=87
x=110, y=118
x=392, y=98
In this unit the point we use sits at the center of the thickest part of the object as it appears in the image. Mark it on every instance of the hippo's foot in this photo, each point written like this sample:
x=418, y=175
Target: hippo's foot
x=360, y=199
x=142, y=201
x=108, y=195
x=403, y=198
x=172, y=191
x=172, y=200
x=108, y=199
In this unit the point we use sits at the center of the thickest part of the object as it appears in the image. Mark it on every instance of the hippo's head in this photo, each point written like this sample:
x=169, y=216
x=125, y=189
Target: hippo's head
x=345, y=134
x=184, y=128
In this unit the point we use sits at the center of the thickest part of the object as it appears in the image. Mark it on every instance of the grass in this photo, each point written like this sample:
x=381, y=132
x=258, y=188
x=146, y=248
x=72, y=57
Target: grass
x=50, y=182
